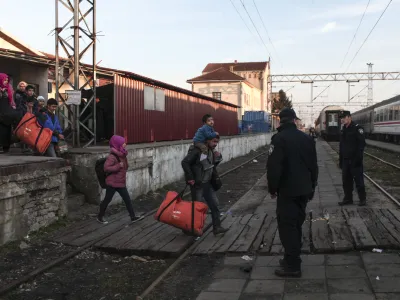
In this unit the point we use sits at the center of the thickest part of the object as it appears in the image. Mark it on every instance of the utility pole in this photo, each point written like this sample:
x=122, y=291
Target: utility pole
x=70, y=70
x=370, y=97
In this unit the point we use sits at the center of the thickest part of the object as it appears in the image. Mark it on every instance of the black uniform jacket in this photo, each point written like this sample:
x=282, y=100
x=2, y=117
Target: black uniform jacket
x=193, y=168
x=292, y=168
x=352, y=143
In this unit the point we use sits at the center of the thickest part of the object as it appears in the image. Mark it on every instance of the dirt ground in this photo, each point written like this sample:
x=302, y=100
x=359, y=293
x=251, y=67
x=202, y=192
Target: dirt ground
x=98, y=275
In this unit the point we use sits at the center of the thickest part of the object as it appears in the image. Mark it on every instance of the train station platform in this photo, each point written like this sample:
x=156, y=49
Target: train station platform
x=385, y=146
x=253, y=226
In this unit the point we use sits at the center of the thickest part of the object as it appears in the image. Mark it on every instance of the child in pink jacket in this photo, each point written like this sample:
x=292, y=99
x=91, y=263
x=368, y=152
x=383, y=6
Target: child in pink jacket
x=116, y=166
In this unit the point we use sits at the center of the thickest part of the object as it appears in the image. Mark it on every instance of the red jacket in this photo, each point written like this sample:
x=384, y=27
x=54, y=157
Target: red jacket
x=117, y=178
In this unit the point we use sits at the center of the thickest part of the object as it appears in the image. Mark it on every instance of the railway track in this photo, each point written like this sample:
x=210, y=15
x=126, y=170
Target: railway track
x=335, y=147
x=59, y=261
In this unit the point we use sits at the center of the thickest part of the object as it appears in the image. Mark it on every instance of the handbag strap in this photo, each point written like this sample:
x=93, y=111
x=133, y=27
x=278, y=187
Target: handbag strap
x=172, y=201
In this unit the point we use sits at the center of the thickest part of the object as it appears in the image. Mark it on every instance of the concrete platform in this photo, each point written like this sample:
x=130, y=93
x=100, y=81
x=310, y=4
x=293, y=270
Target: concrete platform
x=385, y=146
x=14, y=164
x=356, y=276
x=253, y=226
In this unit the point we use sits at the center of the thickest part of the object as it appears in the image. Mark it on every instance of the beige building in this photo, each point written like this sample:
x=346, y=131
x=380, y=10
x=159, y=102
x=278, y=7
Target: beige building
x=243, y=84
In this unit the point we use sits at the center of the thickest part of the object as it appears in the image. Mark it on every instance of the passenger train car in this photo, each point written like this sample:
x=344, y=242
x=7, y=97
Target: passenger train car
x=381, y=121
x=328, y=124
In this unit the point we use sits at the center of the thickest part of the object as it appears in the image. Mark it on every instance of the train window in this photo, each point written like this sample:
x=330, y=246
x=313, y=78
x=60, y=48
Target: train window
x=375, y=116
x=391, y=114
x=386, y=114
x=381, y=115
x=396, y=112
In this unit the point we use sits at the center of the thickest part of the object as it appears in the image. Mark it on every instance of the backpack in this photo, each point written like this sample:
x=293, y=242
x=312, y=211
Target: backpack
x=101, y=174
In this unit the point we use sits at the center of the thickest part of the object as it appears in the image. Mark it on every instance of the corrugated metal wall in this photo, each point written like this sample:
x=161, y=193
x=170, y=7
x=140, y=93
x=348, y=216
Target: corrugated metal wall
x=180, y=120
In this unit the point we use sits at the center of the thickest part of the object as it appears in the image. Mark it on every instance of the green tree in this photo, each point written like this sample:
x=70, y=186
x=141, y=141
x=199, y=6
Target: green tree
x=281, y=102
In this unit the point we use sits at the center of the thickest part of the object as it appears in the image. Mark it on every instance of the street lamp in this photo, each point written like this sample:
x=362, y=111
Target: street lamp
x=348, y=83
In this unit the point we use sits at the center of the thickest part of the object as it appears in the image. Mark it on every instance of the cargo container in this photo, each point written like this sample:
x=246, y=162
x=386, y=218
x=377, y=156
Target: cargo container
x=256, y=116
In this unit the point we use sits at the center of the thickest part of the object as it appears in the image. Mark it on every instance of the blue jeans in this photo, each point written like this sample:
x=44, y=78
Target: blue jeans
x=210, y=197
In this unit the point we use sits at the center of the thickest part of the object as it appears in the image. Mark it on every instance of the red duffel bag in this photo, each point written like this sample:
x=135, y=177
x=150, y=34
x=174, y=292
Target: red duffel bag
x=30, y=132
x=189, y=216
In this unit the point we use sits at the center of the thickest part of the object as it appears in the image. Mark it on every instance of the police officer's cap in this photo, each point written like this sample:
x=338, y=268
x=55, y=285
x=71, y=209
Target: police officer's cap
x=344, y=113
x=287, y=114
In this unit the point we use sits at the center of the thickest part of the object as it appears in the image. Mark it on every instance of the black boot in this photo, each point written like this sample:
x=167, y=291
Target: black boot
x=362, y=203
x=282, y=263
x=346, y=202
x=219, y=230
x=287, y=272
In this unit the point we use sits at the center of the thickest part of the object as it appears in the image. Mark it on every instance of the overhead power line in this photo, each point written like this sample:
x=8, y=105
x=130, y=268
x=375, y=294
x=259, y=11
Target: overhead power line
x=358, y=92
x=245, y=22
x=269, y=38
x=358, y=51
x=255, y=27
x=354, y=37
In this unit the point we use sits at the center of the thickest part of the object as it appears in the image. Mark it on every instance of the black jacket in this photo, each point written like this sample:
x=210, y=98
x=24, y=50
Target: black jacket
x=193, y=168
x=292, y=168
x=352, y=144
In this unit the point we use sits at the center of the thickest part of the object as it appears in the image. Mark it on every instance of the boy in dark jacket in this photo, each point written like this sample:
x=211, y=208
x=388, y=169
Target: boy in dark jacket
x=203, y=134
x=48, y=119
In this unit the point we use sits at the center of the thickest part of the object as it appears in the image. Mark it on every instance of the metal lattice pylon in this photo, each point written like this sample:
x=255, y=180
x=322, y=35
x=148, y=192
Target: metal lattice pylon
x=71, y=72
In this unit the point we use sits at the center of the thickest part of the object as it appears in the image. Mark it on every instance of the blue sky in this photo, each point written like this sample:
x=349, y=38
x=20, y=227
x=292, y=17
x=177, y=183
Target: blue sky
x=173, y=40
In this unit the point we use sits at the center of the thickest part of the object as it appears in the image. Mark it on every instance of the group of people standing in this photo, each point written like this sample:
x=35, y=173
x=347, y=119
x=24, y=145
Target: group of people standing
x=13, y=107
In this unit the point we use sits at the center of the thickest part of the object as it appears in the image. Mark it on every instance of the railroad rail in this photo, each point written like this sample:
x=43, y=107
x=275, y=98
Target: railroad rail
x=11, y=286
x=379, y=187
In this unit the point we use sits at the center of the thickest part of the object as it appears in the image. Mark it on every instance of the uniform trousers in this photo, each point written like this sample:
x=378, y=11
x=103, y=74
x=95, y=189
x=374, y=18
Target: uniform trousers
x=291, y=213
x=350, y=174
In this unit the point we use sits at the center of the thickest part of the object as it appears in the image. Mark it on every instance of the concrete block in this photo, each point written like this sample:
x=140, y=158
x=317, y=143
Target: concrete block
x=218, y=296
x=344, y=285
x=343, y=259
x=386, y=284
x=302, y=286
x=387, y=296
x=380, y=258
x=352, y=297
x=227, y=285
x=385, y=270
x=232, y=273
x=265, y=287
x=306, y=297
x=350, y=271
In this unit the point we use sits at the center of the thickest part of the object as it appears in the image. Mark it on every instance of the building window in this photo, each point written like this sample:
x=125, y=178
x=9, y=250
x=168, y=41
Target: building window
x=154, y=98
x=216, y=95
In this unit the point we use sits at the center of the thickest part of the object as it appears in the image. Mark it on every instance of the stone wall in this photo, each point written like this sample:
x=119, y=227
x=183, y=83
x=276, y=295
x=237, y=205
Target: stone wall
x=32, y=194
x=151, y=166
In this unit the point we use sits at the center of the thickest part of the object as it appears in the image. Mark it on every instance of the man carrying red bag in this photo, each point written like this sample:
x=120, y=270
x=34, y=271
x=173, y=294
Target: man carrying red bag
x=204, y=183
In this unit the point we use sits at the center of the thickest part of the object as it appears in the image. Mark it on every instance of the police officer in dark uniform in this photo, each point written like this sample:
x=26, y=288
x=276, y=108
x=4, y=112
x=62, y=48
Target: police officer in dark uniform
x=292, y=173
x=352, y=144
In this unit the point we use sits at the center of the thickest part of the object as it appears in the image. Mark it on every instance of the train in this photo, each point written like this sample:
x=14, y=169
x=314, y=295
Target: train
x=328, y=124
x=381, y=121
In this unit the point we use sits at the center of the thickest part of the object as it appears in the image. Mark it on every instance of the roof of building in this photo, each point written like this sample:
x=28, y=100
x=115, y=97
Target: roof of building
x=237, y=66
x=221, y=74
x=18, y=44
x=41, y=58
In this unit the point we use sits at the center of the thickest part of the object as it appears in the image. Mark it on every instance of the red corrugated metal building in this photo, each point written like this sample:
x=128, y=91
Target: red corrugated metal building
x=146, y=110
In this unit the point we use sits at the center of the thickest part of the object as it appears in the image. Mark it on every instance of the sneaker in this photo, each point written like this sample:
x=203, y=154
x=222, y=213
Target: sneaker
x=101, y=220
x=362, y=203
x=345, y=202
x=135, y=219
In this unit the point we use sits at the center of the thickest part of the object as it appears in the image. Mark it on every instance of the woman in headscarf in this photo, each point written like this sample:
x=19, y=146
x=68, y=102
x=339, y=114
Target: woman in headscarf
x=115, y=167
x=8, y=115
x=20, y=94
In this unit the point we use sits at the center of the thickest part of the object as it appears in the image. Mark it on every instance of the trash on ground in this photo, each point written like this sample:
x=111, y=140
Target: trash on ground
x=377, y=277
x=255, y=160
x=247, y=258
x=138, y=258
x=23, y=245
x=377, y=250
